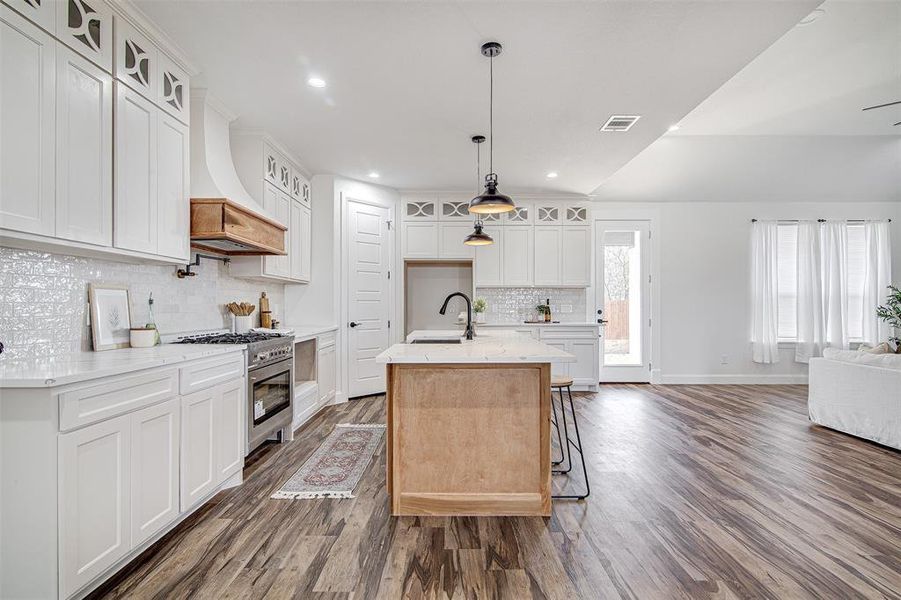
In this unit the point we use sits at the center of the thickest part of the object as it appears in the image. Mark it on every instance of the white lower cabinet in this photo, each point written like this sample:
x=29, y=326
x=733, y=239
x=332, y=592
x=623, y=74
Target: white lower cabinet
x=94, y=493
x=154, y=469
x=212, y=440
x=582, y=342
x=327, y=373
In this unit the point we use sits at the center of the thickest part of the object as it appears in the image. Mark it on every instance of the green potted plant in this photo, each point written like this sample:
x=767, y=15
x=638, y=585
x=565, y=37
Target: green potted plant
x=891, y=314
x=478, y=307
x=544, y=309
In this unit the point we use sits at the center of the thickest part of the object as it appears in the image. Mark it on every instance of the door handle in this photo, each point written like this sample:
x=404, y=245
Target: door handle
x=602, y=321
x=353, y=324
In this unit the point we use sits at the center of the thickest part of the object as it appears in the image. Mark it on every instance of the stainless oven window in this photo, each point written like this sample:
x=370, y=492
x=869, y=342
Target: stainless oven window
x=271, y=395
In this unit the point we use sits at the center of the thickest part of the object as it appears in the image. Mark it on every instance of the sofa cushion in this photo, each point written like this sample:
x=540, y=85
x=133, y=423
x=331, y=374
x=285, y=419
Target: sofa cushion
x=882, y=348
x=886, y=361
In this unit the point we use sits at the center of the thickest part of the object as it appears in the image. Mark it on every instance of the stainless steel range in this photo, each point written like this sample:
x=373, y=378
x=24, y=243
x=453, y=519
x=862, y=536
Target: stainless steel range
x=270, y=381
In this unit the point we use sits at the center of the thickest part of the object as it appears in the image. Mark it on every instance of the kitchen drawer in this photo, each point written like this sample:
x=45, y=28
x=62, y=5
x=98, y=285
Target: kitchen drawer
x=115, y=396
x=207, y=373
x=326, y=339
x=569, y=333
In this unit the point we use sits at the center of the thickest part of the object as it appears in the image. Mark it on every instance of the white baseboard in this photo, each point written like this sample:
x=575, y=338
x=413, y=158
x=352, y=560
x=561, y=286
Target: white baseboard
x=732, y=379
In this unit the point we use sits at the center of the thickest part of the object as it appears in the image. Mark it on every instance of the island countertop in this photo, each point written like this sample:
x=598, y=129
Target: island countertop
x=487, y=347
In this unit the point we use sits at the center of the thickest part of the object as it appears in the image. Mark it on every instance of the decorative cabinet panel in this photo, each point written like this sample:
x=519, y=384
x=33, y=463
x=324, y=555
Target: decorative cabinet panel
x=172, y=93
x=27, y=93
x=420, y=240
x=420, y=208
x=326, y=373
x=576, y=256
x=84, y=150
x=549, y=214
x=455, y=209
x=548, y=255
x=40, y=12
x=136, y=167
x=300, y=187
x=198, y=457
x=489, y=265
x=271, y=165
x=577, y=214
x=94, y=507
x=300, y=233
x=136, y=60
x=450, y=240
x=492, y=218
x=173, y=202
x=521, y=215
x=86, y=26
x=228, y=428
x=154, y=469
x=517, y=249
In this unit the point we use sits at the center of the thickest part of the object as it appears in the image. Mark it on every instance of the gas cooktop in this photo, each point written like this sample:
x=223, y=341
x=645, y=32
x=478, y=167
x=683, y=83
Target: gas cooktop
x=229, y=338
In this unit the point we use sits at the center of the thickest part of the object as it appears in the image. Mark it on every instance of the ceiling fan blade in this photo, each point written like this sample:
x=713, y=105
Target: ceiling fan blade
x=882, y=105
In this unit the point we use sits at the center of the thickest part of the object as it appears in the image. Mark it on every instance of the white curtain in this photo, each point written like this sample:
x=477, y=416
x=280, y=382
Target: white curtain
x=822, y=288
x=764, y=293
x=877, y=277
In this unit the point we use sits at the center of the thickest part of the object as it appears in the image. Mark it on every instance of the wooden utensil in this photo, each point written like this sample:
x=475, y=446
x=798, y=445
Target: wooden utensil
x=265, y=313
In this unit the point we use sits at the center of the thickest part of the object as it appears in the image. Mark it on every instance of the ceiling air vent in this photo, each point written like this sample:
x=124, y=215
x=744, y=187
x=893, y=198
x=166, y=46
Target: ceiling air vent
x=620, y=122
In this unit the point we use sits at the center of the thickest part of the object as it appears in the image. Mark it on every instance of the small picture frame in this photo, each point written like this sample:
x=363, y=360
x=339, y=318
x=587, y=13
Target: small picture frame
x=110, y=316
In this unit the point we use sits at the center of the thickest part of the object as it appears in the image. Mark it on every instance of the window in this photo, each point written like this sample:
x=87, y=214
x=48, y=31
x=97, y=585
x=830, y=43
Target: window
x=787, y=267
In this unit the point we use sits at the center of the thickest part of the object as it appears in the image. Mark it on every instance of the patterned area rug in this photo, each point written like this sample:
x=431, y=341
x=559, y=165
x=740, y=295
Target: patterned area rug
x=336, y=467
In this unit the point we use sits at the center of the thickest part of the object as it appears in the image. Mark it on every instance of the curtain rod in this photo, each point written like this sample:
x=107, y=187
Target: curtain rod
x=824, y=220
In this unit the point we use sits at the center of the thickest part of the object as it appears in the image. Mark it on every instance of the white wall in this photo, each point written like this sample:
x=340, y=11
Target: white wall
x=703, y=283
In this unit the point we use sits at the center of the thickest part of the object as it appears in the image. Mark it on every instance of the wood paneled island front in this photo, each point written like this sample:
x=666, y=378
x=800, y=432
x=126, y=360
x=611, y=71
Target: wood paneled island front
x=469, y=425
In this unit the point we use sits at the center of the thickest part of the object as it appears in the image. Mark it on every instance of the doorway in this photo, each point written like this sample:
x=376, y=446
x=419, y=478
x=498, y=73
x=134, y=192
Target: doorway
x=623, y=300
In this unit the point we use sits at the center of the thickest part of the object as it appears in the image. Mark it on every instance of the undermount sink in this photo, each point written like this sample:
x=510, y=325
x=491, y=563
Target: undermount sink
x=437, y=341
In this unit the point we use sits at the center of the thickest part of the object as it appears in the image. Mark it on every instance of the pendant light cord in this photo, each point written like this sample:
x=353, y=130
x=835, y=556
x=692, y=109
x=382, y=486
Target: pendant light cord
x=491, y=115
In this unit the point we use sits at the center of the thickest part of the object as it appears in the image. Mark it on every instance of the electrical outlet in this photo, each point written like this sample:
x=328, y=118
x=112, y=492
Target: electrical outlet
x=724, y=359
x=566, y=308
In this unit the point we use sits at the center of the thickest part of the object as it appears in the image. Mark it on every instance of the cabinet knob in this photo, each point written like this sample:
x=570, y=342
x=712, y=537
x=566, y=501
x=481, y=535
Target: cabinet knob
x=353, y=324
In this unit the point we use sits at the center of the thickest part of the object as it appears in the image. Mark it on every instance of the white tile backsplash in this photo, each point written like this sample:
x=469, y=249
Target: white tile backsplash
x=514, y=305
x=44, y=299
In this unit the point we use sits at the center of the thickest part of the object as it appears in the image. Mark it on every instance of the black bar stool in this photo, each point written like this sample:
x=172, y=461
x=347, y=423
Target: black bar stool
x=559, y=383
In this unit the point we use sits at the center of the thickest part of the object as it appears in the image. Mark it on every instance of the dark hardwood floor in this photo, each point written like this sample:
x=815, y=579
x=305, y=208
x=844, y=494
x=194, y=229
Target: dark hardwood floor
x=697, y=492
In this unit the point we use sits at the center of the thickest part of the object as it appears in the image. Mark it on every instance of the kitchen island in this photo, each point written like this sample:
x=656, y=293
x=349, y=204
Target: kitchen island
x=469, y=424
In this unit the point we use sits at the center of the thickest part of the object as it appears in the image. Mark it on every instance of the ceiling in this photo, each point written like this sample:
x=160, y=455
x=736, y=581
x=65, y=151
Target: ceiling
x=407, y=85
x=789, y=127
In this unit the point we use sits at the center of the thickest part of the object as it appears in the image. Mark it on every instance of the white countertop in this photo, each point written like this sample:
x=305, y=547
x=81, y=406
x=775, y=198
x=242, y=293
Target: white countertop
x=536, y=324
x=83, y=366
x=487, y=347
x=305, y=332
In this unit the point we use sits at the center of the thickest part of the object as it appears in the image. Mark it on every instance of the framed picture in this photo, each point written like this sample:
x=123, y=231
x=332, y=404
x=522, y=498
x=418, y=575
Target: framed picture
x=110, y=316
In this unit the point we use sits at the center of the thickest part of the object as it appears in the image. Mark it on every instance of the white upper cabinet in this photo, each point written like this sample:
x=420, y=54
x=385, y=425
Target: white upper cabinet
x=86, y=26
x=420, y=239
x=489, y=264
x=172, y=93
x=136, y=172
x=136, y=60
x=450, y=240
x=576, y=256
x=40, y=12
x=27, y=94
x=420, y=207
x=84, y=150
x=173, y=201
x=300, y=232
x=517, y=249
x=548, y=255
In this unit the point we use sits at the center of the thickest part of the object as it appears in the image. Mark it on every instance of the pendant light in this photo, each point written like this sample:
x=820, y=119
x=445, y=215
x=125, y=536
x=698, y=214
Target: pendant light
x=491, y=201
x=478, y=237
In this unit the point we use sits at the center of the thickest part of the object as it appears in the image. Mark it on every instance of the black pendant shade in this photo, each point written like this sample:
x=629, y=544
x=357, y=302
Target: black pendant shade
x=491, y=201
x=478, y=237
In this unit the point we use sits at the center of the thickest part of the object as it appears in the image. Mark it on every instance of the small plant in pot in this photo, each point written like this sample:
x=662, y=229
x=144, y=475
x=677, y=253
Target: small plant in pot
x=545, y=310
x=478, y=307
x=890, y=312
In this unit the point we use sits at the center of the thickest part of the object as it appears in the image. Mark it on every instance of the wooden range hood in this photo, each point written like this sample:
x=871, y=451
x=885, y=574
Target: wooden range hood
x=226, y=227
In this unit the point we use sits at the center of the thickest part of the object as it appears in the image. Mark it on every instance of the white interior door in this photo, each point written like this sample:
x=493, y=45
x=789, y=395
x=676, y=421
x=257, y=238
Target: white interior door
x=623, y=300
x=368, y=311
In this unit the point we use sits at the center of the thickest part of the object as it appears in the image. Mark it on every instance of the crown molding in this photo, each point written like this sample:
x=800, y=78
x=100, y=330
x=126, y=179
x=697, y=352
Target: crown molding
x=126, y=9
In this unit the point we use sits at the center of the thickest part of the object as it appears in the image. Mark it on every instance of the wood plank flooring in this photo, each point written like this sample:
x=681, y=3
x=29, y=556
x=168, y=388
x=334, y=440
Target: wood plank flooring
x=697, y=492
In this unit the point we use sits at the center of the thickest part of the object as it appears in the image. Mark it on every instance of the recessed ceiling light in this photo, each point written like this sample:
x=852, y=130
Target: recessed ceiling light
x=374, y=175
x=552, y=175
x=316, y=82
x=673, y=128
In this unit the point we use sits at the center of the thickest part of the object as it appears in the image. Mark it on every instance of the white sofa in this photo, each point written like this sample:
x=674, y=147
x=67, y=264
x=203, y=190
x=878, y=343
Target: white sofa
x=857, y=393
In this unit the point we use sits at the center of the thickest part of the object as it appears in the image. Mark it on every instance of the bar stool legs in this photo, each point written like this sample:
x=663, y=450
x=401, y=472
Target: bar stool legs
x=559, y=437
x=570, y=444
